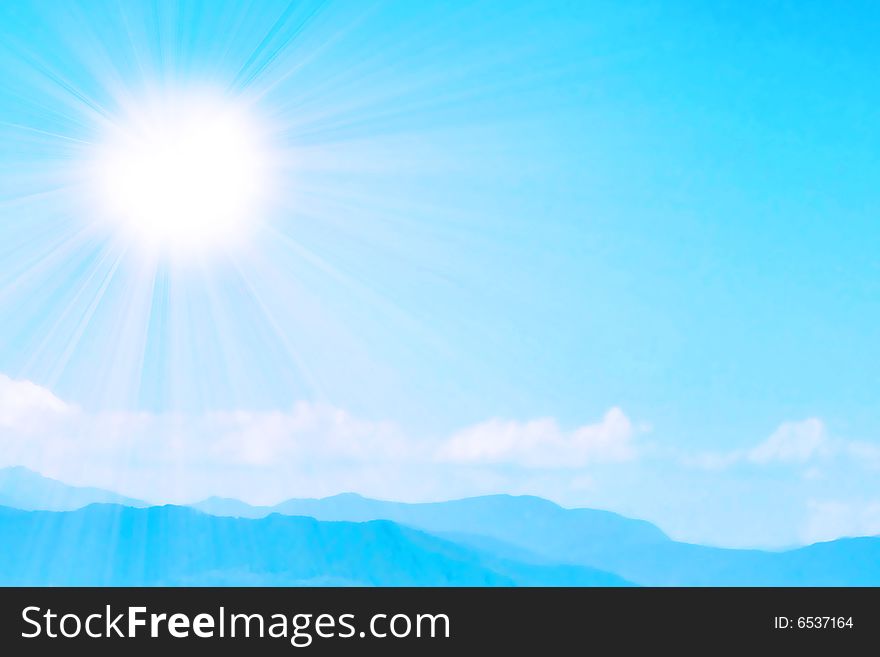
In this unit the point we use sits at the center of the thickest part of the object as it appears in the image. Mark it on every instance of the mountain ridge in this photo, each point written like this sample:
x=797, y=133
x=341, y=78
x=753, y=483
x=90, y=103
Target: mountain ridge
x=174, y=545
x=517, y=534
x=22, y=488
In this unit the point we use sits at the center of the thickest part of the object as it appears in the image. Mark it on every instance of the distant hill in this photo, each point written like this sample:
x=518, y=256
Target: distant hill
x=21, y=488
x=528, y=523
x=844, y=562
x=532, y=530
x=349, y=539
x=110, y=545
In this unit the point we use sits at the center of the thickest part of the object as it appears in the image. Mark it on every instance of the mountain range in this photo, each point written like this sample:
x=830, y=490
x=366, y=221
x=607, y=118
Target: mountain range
x=348, y=539
x=112, y=545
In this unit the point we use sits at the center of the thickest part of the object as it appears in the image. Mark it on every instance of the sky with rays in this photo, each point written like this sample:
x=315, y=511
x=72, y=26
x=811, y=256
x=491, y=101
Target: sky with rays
x=616, y=255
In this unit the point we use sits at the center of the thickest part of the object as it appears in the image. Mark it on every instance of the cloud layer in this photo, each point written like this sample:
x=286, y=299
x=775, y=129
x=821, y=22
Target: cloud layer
x=542, y=444
x=312, y=449
x=800, y=483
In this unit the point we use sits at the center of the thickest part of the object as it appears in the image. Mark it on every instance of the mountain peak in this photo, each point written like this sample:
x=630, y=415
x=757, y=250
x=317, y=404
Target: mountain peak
x=19, y=471
x=23, y=488
x=346, y=496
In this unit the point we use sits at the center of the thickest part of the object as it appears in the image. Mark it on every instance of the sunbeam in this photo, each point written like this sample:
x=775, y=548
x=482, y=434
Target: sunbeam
x=277, y=205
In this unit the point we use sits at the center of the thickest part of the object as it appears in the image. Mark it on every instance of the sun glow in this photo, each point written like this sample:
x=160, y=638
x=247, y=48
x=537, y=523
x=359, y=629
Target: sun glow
x=184, y=175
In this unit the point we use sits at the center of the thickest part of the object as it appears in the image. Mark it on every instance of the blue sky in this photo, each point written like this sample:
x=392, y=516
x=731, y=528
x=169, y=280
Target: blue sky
x=481, y=213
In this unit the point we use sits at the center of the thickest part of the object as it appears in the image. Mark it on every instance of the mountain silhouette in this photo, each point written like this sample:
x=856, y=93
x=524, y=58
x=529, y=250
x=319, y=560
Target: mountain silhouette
x=22, y=488
x=532, y=530
x=494, y=540
x=540, y=527
x=112, y=545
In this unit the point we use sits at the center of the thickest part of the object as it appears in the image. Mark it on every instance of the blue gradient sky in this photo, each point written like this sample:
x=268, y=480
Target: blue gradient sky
x=520, y=210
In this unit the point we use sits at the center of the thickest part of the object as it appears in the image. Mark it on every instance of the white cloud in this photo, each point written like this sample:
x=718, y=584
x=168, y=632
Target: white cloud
x=542, y=444
x=160, y=457
x=796, y=443
x=792, y=442
x=307, y=432
x=310, y=449
x=25, y=406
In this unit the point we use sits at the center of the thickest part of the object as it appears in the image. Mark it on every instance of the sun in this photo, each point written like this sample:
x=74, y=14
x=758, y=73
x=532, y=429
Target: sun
x=181, y=175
